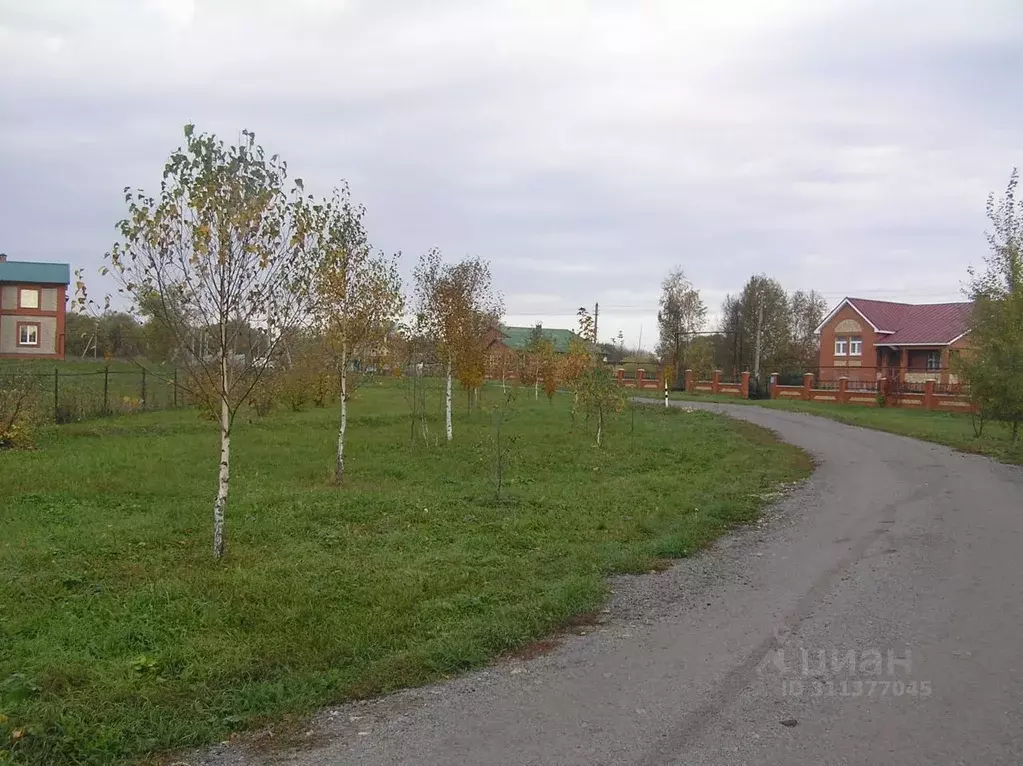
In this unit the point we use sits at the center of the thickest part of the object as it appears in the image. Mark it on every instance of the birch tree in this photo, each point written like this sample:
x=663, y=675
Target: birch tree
x=222, y=246
x=358, y=295
x=456, y=305
x=533, y=357
x=594, y=382
x=550, y=368
x=993, y=363
x=807, y=309
x=682, y=314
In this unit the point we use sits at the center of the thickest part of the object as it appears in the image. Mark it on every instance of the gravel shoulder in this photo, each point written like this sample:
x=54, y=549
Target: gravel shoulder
x=762, y=649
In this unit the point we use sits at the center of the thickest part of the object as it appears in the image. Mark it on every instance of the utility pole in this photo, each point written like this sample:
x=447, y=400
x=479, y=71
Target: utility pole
x=760, y=329
x=596, y=313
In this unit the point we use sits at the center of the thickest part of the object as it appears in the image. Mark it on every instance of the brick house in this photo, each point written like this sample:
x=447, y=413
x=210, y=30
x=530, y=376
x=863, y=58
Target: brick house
x=504, y=342
x=866, y=340
x=32, y=306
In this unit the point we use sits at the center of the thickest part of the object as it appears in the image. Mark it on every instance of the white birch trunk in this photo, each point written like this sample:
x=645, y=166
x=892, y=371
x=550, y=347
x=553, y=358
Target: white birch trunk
x=343, y=425
x=447, y=402
x=600, y=424
x=225, y=462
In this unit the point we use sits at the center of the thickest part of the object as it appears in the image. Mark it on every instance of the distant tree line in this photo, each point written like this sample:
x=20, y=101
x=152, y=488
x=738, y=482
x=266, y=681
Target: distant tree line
x=762, y=329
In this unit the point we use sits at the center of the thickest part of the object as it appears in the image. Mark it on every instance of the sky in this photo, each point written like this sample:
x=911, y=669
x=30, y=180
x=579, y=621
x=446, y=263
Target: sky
x=584, y=147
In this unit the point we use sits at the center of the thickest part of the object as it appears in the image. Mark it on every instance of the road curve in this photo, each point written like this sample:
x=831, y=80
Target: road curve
x=875, y=617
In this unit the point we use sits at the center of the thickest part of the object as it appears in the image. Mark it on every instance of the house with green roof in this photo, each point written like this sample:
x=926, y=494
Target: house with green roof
x=519, y=338
x=32, y=309
x=504, y=342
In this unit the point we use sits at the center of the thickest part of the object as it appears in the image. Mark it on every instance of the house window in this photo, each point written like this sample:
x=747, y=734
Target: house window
x=933, y=360
x=856, y=346
x=28, y=334
x=28, y=298
x=839, y=346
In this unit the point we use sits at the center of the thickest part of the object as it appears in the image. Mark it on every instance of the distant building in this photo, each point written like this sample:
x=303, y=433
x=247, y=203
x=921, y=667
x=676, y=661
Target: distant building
x=504, y=342
x=865, y=340
x=33, y=300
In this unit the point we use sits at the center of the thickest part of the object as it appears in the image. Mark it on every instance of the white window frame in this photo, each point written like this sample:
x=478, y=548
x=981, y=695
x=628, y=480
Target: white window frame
x=937, y=365
x=23, y=291
x=840, y=347
x=856, y=346
x=32, y=329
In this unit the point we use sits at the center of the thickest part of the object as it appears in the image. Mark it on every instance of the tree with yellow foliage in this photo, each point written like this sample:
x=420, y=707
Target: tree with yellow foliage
x=456, y=305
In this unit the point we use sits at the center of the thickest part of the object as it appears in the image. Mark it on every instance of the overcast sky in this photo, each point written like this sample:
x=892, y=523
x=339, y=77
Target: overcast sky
x=584, y=147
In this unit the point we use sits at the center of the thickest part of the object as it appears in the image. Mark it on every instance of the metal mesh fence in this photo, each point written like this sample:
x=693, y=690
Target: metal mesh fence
x=70, y=395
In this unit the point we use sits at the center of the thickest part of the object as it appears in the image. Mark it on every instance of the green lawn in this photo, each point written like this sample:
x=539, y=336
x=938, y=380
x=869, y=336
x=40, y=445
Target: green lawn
x=951, y=429
x=119, y=636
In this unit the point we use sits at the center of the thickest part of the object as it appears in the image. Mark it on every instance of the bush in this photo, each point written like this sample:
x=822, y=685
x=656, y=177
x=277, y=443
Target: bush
x=264, y=394
x=21, y=411
x=296, y=387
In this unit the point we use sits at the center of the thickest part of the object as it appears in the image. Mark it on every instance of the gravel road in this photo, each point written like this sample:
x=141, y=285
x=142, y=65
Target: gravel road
x=875, y=616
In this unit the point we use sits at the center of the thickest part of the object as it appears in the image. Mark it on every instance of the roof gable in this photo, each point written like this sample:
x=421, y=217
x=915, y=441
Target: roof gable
x=35, y=273
x=886, y=316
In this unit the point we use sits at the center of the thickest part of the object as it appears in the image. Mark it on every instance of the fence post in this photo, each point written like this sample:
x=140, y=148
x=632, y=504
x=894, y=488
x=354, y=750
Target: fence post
x=715, y=381
x=687, y=382
x=664, y=377
x=620, y=375
x=639, y=377
x=744, y=385
x=843, y=390
x=772, y=382
x=807, y=385
x=929, y=394
x=106, y=388
x=143, y=388
x=56, y=394
x=175, y=387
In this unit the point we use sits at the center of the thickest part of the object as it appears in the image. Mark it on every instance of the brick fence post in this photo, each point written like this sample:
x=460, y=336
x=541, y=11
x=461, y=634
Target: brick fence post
x=688, y=381
x=843, y=390
x=744, y=385
x=772, y=386
x=620, y=376
x=715, y=381
x=640, y=372
x=807, y=385
x=929, y=394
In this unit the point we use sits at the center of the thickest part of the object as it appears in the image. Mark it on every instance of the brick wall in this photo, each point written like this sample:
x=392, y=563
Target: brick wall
x=846, y=392
x=644, y=378
x=848, y=323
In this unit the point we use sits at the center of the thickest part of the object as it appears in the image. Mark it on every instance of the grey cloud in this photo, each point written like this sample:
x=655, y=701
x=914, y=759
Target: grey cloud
x=585, y=153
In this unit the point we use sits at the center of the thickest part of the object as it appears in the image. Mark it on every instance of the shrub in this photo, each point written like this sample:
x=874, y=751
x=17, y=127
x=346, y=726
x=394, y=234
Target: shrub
x=296, y=387
x=264, y=394
x=21, y=411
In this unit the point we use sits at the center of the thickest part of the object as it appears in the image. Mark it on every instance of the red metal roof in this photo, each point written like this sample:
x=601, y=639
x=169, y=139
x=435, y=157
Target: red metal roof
x=928, y=323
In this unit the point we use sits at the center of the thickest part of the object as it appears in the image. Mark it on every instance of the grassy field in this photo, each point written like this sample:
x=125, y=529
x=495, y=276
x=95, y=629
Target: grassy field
x=951, y=429
x=119, y=636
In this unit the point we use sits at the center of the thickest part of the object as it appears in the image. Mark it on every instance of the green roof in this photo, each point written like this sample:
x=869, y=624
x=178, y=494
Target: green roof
x=38, y=273
x=519, y=337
